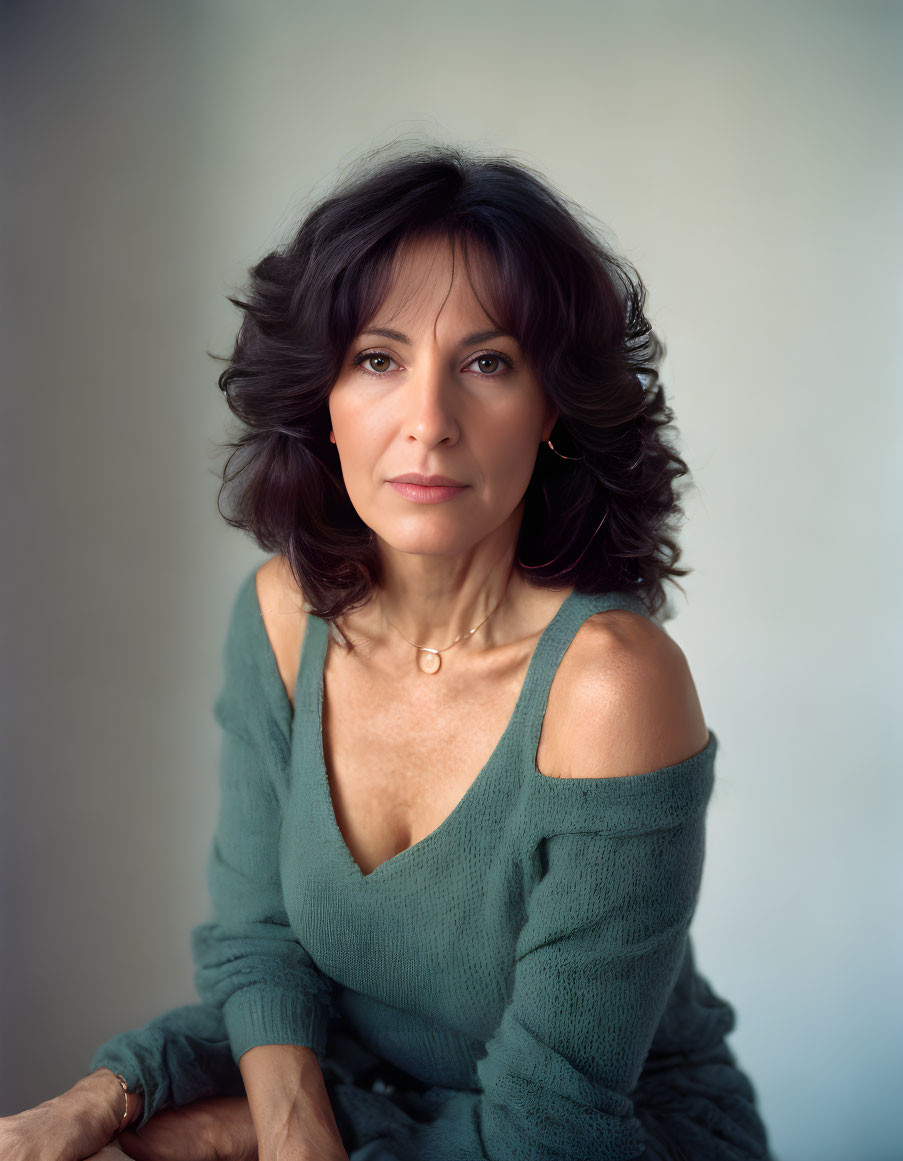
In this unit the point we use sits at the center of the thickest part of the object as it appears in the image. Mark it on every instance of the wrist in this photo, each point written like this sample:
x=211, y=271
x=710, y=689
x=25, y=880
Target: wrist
x=98, y=1101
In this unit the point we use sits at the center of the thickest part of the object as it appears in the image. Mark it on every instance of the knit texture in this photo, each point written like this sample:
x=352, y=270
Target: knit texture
x=519, y=985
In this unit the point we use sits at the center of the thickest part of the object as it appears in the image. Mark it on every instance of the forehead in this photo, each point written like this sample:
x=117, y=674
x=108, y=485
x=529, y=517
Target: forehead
x=427, y=275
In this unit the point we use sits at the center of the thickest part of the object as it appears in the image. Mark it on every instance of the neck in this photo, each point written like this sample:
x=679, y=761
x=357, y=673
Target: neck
x=429, y=599
x=489, y=598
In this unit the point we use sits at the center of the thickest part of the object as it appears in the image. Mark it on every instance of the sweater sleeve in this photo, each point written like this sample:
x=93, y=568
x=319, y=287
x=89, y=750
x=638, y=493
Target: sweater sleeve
x=248, y=961
x=178, y=1057
x=600, y=950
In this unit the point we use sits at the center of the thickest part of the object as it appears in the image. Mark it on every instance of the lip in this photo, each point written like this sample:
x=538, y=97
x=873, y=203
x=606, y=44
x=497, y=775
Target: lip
x=427, y=481
x=411, y=486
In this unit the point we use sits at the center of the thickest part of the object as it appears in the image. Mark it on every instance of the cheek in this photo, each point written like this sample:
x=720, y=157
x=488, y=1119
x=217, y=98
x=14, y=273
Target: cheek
x=356, y=434
x=509, y=456
x=361, y=446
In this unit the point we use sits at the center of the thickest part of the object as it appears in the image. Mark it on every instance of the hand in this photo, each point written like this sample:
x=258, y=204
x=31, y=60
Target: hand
x=69, y=1127
x=211, y=1129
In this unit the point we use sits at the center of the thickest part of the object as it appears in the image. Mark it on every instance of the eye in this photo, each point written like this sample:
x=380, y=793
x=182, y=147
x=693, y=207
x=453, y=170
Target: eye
x=384, y=358
x=492, y=357
x=372, y=357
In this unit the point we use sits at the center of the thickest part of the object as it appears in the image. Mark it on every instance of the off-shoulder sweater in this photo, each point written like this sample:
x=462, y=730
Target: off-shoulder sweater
x=519, y=984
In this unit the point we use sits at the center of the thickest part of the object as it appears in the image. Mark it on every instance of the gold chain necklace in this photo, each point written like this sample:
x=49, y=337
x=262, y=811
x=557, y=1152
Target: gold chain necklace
x=429, y=659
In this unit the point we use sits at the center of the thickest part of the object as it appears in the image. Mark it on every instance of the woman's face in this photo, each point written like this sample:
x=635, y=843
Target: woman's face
x=437, y=397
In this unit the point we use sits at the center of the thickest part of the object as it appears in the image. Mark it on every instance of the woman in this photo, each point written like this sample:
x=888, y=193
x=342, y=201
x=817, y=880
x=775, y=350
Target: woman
x=464, y=768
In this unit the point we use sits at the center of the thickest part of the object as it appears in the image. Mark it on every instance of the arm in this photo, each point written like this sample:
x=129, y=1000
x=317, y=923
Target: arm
x=595, y=962
x=178, y=1057
x=75, y=1124
x=289, y=1104
x=257, y=984
x=248, y=962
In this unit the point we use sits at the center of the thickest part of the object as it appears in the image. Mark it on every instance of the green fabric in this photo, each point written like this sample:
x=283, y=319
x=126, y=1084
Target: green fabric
x=518, y=985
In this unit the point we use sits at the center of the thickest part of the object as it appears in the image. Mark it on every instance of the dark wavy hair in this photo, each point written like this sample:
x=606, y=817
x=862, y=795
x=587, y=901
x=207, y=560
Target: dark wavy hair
x=602, y=519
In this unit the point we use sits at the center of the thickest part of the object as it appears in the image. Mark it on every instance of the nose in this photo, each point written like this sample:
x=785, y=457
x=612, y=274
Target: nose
x=430, y=407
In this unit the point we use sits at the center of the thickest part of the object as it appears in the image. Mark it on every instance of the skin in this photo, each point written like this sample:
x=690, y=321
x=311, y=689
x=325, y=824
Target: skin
x=80, y=1124
x=430, y=405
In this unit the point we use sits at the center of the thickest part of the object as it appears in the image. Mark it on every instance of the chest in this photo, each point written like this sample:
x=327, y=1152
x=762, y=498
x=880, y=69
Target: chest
x=400, y=756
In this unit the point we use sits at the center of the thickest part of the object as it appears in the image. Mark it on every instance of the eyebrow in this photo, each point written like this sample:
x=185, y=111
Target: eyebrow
x=477, y=337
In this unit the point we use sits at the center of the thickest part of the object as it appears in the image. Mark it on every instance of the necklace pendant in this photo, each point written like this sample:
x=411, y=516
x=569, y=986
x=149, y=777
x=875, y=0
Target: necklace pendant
x=428, y=662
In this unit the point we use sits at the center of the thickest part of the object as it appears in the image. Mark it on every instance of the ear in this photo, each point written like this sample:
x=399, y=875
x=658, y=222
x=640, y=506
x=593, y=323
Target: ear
x=552, y=414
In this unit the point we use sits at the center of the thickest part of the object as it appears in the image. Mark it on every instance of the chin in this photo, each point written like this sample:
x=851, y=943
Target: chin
x=420, y=544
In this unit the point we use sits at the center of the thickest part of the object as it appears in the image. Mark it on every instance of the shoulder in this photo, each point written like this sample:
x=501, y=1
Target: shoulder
x=622, y=702
x=284, y=618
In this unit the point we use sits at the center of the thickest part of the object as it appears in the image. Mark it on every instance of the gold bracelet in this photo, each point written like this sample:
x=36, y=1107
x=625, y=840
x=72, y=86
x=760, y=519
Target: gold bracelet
x=125, y=1089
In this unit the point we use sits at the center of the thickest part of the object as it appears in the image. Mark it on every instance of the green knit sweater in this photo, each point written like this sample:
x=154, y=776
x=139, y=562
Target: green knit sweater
x=520, y=984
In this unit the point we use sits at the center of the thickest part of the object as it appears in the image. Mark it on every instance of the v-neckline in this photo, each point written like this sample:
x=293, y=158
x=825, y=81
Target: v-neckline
x=312, y=665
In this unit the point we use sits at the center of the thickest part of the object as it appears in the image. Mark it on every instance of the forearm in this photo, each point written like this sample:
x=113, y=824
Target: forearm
x=75, y=1124
x=289, y=1104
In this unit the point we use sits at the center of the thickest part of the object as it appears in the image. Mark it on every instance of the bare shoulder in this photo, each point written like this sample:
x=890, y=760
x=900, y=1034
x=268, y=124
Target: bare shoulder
x=284, y=618
x=623, y=701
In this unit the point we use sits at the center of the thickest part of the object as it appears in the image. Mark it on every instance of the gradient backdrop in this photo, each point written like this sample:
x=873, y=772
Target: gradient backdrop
x=747, y=158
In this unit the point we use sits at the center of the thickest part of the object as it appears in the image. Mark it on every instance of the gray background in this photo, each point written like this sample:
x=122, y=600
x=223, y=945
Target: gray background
x=748, y=159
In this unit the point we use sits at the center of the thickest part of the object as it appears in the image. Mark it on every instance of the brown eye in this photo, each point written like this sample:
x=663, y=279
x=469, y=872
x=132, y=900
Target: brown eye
x=378, y=359
x=502, y=364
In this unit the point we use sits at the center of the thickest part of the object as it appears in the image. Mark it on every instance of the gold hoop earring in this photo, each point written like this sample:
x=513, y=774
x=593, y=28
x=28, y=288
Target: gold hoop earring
x=560, y=456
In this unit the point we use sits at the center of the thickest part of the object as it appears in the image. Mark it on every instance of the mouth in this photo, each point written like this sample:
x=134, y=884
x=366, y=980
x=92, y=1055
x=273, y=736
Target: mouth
x=427, y=481
x=412, y=488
